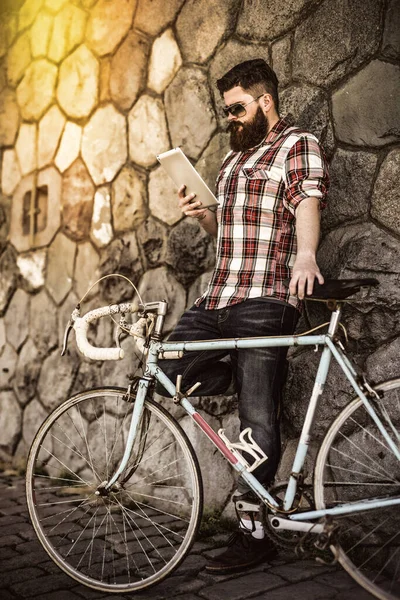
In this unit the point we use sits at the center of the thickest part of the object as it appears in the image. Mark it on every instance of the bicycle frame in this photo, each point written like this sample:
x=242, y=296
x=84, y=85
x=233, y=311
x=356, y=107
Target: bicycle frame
x=330, y=349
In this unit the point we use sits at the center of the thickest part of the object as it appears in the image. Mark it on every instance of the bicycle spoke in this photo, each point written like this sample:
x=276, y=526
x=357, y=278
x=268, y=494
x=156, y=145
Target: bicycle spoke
x=132, y=534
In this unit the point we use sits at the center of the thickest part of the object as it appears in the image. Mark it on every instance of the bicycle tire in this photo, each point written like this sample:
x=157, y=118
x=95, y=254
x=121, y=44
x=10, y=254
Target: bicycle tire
x=137, y=534
x=354, y=463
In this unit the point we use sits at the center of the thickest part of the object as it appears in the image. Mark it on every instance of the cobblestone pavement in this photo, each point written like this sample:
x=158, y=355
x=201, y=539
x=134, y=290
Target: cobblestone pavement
x=27, y=572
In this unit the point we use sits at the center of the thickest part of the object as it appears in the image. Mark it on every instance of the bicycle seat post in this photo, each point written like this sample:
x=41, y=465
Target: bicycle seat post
x=336, y=309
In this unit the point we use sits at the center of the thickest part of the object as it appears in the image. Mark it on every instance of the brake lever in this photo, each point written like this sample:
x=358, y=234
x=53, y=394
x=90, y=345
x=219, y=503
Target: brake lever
x=66, y=336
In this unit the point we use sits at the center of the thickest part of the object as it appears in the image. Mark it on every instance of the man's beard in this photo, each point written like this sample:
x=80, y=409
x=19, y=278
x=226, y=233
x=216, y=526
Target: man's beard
x=247, y=135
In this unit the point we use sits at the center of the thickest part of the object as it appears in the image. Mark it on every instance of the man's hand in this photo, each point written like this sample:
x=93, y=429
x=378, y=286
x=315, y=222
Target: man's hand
x=193, y=208
x=305, y=271
x=189, y=206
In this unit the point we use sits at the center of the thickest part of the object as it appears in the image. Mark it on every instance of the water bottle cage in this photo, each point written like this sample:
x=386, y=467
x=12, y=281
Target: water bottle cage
x=245, y=445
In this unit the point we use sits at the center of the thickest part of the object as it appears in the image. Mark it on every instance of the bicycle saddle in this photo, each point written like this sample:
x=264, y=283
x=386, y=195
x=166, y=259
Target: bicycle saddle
x=339, y=289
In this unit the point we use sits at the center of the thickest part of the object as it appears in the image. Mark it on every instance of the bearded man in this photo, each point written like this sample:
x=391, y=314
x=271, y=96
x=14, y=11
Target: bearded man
x=271, y=188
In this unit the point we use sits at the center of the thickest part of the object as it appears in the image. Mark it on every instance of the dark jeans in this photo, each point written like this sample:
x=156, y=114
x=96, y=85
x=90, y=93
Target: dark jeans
x=258, y=373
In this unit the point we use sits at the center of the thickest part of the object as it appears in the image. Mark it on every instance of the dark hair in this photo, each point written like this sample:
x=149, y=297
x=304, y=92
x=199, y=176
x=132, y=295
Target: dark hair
x=252, y=75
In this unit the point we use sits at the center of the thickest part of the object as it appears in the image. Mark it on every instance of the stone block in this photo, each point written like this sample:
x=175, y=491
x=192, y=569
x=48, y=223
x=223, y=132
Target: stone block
x=3, y=77
x=17, y=319
x=67, y=33
x=104, y=79
x=34, y=415
x=65, y=366
x=8, y=278
x=386, y=196
x=70, y=146
x=108, y=24
x=10, y=421
x=163, y=197
x=281, y=60
x=152, y=237
x=227, y=57
x=128, y=200
x=159, y=284
x=10, y=172
x=77, y=201
x=210, y=161
x=153, y=16
x=36, y=91
x=26, y=148
x=50, y=180
x=122, y=257
x=258, y=22
x=87, y=261
x=28, y=12
x=325, y=61
x=9, y=118
x=8, y=360
x=43, y=323
x=78, y=83
x=89, y=376
x=40, y=34
x=60, y=267
x=8, y=31
x=300, y=380
x=364, y=250
x=195, y=17
x=391, y=37
x=104, y=147
x=27, y=373
x=55, y=5
x=165, y=62
x=2, y=335
x=384, y=362
x=101, y=231
x=351, y=174
x=352, y=110
x=128, y=70
x=190, y=112
x=51, y=127
x=219, y=480
x=310, y=109
x=32, y=268
x=190, y=251
x=148, y=133
x=18, y=59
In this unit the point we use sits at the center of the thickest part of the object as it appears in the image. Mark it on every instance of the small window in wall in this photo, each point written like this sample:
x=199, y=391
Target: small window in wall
x=35, y=210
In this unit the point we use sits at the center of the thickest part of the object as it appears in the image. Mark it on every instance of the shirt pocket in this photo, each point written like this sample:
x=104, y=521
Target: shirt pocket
x=256, y=173
x=262, y=188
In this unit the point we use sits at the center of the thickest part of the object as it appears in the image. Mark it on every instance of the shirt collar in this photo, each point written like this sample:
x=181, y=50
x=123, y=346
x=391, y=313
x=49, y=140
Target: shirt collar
x=277, y=129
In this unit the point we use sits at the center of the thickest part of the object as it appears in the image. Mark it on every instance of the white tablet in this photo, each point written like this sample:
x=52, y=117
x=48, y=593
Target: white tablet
x=182, y=172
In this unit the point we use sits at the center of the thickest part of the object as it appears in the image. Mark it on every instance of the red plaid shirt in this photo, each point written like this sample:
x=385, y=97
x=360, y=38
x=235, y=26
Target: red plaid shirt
x=259, y=191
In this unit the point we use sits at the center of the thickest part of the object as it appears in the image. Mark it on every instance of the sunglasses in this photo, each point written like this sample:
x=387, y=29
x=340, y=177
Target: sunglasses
x=238, y=110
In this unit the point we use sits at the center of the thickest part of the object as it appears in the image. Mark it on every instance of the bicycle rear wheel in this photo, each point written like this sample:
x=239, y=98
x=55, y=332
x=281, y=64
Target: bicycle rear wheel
x=356, y=463
x=134, y=535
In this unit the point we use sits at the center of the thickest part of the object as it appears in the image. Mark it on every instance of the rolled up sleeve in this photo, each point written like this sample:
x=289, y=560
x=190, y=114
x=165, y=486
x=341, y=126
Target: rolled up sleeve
x=306, y=173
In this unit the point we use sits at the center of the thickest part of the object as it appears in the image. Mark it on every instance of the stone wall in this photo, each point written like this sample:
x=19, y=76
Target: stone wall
x=91, y=91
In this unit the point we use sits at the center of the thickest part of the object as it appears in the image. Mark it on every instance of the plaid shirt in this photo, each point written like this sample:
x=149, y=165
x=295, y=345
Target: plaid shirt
x=259, y=191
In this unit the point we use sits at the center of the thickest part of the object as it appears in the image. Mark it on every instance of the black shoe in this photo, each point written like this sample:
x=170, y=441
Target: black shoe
x=244, y=551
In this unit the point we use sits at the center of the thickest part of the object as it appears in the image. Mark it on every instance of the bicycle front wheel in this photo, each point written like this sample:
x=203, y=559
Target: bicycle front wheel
x=135, y=534
x=356, y=463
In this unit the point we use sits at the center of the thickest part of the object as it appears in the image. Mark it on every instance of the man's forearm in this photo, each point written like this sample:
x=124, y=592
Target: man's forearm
x=308, y=227
x=305, y=268
x=209, y=223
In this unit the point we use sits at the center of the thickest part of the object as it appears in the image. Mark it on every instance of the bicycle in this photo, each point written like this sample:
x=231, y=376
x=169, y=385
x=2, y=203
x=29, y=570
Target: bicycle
x=114, y=489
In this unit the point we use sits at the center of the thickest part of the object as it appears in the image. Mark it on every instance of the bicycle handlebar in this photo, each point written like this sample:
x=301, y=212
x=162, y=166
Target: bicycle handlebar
x=81, y=326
